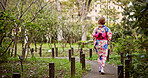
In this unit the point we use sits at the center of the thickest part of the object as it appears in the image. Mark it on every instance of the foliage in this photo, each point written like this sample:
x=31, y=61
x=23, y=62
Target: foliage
x=125, y=45
x=140, y=68
x=31, y=31
x=133, y=37
x=7, y=24
x=130, y=36
x=40, y=67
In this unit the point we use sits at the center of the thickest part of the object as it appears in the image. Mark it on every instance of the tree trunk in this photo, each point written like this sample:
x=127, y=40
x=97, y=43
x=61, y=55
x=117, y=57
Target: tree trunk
x=22, y=43
x=84, y=28
x=26, y=45
x=35, y=44
x=22, y=38
x=83, y=13
x=24, y=51
x=47, y=40
x=28, y=50
x=84, y=32
x=54, y=43
x=50, y=42
x=16, y=41
x=59, y=31
x=65, y=42
x=42, y=42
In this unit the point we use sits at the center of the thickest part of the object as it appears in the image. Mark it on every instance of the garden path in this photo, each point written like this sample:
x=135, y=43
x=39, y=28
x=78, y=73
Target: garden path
x=110, y=71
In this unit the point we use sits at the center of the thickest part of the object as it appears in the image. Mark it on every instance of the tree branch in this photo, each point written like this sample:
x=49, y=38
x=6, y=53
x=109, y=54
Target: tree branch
x=1, y=40
x=88, y=5
x=7, y=48
x=18, y=7
x=118, y=4
x=39, y=3
x=2, y=5
x=38, y=12
x=22, y=8
x=24, y=13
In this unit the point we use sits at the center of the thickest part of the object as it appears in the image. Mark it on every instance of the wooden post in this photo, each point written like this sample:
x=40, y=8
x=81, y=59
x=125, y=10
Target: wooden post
x=122, y=58
x=56, y=49
x=108, y=54
x=130, y=63
x=72, y=51
x=69, y=54
x=72, y=67
x=52, y=52
x=40, y=52
x=127, y=62
x=120, y=71
x=51, y=70
x=90, y=53
x=16, y=75
x=81, y=56
x=83, y=61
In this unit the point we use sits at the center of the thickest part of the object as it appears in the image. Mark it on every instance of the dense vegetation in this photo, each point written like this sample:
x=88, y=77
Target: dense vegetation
x=39, y=67
x=131, y=37
x=36, y=22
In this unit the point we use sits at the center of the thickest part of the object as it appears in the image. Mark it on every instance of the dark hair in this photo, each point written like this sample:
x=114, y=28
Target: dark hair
x=101, y=20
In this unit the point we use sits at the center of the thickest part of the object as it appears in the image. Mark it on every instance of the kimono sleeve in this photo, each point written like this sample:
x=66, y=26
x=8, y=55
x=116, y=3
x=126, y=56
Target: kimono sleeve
x=109, y=35
x=94, y=34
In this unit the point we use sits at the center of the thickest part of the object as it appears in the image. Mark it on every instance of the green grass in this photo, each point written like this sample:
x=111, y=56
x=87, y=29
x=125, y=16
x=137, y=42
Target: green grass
x=115, y=58
x=35, y=67
x=39, y=67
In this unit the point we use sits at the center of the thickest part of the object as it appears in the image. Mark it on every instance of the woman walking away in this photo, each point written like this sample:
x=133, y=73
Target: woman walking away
x=101, y=36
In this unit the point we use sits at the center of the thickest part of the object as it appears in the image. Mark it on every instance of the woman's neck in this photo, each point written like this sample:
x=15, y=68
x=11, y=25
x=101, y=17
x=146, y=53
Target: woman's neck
x=100, y=25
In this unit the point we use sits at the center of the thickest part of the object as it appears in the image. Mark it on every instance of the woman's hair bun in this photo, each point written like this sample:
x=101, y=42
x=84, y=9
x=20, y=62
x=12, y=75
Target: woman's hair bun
x=101, y=20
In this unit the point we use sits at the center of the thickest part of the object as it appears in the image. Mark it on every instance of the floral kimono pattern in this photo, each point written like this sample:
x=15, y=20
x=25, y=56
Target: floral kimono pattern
x=101, y=36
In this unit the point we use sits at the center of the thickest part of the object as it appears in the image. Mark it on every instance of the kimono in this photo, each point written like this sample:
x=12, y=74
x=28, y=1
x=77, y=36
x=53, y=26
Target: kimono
x=101, y=36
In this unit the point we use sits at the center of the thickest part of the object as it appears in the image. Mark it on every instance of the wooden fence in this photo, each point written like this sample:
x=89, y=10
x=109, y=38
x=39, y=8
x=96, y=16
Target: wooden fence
x=52, y=65
x=121, y=72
